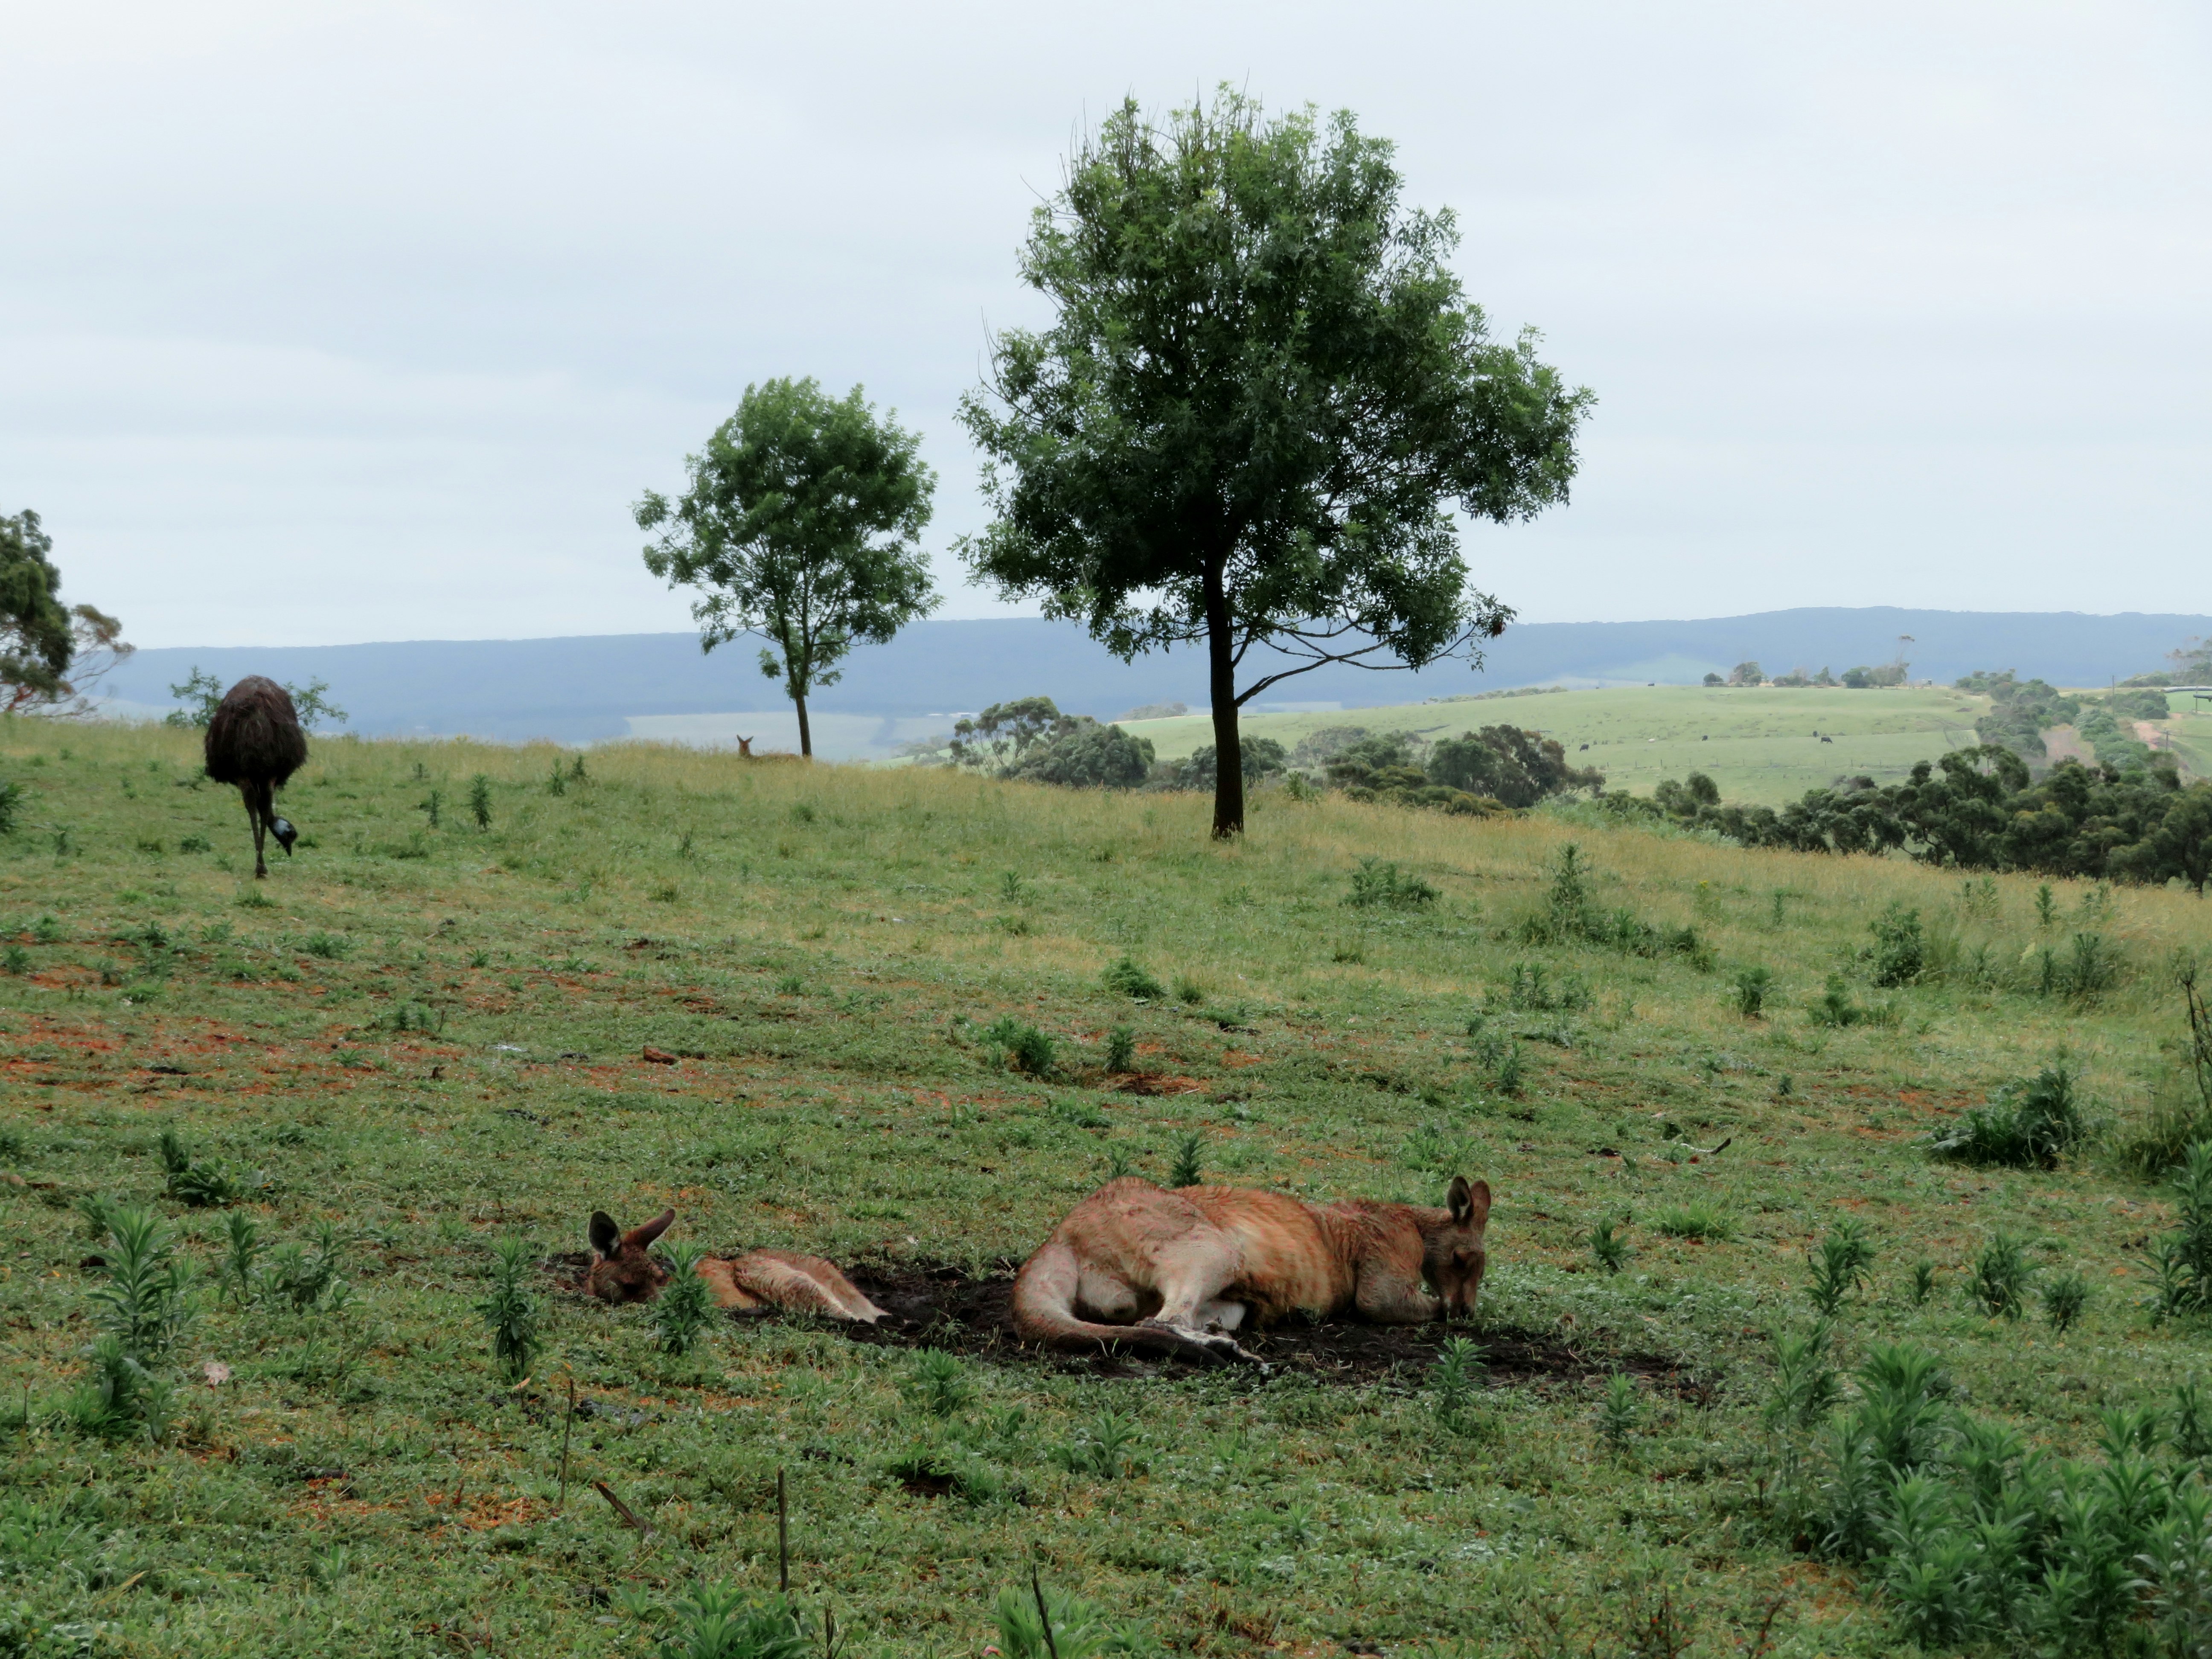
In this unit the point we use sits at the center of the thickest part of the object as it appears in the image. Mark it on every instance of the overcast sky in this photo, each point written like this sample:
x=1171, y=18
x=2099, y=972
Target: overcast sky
x=332, y=323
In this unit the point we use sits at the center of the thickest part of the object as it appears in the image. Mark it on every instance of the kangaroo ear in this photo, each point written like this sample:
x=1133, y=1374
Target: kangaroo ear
x=643, y=1236
x=1469, y=1204
x=606, y=1237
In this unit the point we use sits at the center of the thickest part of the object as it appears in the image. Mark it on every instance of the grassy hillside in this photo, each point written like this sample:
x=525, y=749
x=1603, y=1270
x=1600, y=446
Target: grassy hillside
x=1762, y=745
x=425, y=1040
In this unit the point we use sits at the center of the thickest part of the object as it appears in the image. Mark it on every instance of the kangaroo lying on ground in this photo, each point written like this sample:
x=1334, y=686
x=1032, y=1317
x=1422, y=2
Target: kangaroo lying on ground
x=626, y=1272
x=1175, y=1272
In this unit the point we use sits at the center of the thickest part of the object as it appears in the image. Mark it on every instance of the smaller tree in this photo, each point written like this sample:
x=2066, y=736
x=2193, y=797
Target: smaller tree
x=1084, y=755
x=1747, y=673
x=802, y=527
x=201, y=694
x=50, y=653
x=1003, y=733
x=1715, y=679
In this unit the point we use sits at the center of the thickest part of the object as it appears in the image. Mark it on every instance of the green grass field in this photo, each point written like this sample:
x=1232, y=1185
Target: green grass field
x=1762, y=745
x=425, y=1040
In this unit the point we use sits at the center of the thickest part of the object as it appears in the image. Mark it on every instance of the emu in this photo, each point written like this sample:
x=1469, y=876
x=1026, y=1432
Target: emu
x=255, y=742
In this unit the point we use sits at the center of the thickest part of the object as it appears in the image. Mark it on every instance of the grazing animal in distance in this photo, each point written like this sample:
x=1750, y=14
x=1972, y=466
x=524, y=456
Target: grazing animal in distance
x=744, y=748
x=626, y=1272
x=254, y=741
x=1176, y=1273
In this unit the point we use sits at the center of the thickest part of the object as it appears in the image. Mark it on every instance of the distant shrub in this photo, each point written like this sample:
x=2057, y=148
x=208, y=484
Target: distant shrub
x=1084, y=755
x=2002, y=1278
x=1839, y=1267
x=12, y=796
x=1126, y=978
x=196, y=1184
x=2063, y=1299
x=1526, y=990
x=1749, y=991
x=513, y=1307
x=1187, y=1171
x=1121, y=1049
x=938, y=1384
x=330, y=947
x=1900, y=946
x=1836, y=1008
x=1805, y=1384
x=1617, y=1411
x=480, y=800
x=1025, y=1047
x=1700, y=1221
x=1610, y=1249
x=2029, y=1125
x=2183, y=1259
x=1378, y=885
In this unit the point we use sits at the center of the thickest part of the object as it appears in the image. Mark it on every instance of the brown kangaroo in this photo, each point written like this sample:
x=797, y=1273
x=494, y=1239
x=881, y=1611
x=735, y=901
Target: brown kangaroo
x=1175, y=1272
x=626, y=1272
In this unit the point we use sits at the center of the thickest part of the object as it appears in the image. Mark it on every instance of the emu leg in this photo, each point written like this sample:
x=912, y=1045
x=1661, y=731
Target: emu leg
x=254, y=817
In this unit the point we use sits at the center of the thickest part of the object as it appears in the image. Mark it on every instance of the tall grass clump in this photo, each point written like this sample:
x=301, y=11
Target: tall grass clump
x=202, y=1185
x=1900, y=953
x=685, y=1307
x=1839, y=1267
x=2182, y=1260
x=2002, y=1276
x=1128, y=978
x=2029, y=1125
x=513, y=1309
x=1378, y=885
x=1063, y=1627
x=1024, y=1048
x=2180, y=1113
x=1456, y=1380
x=1749, y=991
x=143, y=1310
x=719, y=1620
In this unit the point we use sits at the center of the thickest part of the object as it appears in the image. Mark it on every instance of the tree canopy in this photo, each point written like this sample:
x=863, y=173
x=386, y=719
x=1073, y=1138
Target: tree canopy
x=1979, y=809
x=801, y=526
x=1261, y=391
x=50, y=652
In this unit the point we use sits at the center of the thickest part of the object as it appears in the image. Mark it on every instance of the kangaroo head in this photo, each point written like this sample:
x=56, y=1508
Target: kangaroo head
x=626, y=1270
x=1451, y=1246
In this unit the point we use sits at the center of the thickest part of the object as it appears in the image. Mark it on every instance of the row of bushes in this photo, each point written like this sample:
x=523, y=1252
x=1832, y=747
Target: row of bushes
x=1492, y=770
x=1975, y=809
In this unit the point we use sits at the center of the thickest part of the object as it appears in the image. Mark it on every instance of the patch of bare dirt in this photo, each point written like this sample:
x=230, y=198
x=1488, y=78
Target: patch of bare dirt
x=937, y=1306
x=941, y=1307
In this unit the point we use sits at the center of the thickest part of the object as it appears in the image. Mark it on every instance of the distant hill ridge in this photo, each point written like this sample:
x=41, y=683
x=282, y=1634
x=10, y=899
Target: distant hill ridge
x=593, y=687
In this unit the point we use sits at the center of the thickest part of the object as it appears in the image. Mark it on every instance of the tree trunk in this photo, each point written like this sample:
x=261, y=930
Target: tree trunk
x=1228, y=750
x=806, y=732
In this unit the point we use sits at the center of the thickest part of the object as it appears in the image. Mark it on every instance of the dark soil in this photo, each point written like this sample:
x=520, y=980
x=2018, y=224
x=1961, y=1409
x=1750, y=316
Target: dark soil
x=941, y=1307
x=935, y=1306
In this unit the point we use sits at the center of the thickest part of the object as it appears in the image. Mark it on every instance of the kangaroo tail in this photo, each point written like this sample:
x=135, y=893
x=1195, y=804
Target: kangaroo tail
x=1044, y=1313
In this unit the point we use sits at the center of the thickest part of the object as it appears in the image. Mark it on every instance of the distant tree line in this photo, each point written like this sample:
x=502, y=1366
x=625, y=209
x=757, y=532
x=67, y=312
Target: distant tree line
x=1976, y=809
x=1496, y=769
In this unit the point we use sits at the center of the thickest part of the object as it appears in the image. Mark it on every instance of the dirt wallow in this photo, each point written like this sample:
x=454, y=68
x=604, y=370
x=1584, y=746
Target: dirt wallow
x=934, y=1306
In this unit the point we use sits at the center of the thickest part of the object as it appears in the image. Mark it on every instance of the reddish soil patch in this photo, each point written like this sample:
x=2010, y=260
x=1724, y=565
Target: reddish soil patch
x=1159, y=1083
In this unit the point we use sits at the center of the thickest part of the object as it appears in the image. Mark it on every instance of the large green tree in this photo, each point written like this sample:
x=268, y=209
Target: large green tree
x=802, y=527
x=50, y=652
x=1262, y=389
